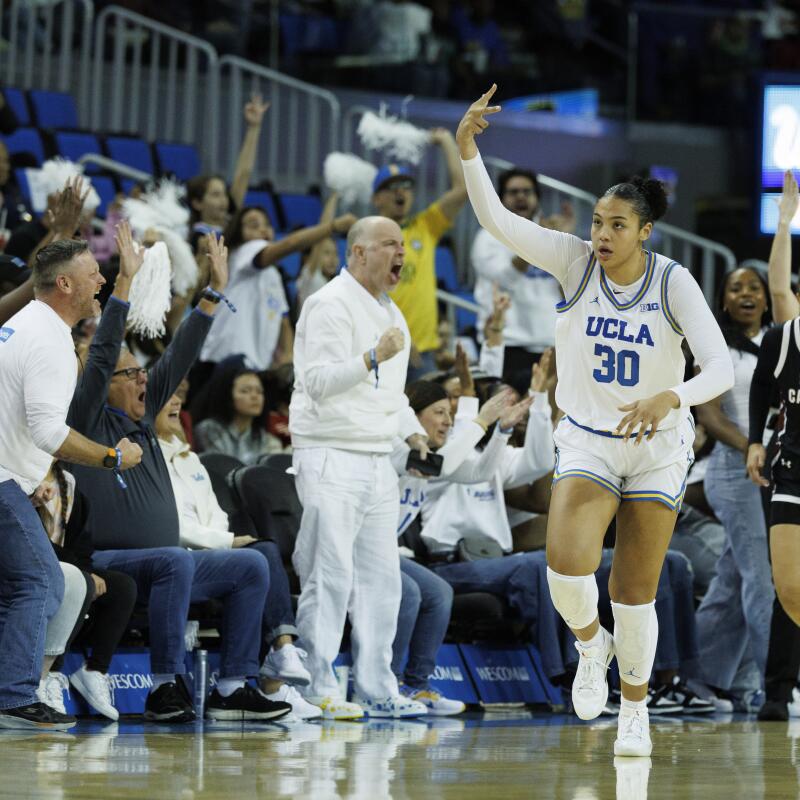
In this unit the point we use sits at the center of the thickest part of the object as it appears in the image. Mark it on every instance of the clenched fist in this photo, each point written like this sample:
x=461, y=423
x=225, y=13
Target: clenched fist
x=390, y=344
x=131, y=453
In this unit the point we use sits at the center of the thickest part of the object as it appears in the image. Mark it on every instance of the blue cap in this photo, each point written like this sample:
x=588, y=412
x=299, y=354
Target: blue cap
x=388, y=173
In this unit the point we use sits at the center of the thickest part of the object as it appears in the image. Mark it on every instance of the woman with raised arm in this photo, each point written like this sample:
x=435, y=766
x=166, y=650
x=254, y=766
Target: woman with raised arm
x=625, y=444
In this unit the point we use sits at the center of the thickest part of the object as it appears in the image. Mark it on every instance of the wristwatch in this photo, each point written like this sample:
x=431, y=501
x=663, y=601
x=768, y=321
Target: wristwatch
x=112, y=458
x=211, y=295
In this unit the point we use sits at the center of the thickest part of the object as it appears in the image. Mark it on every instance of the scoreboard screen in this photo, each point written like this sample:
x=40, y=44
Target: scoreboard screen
x=779, y=148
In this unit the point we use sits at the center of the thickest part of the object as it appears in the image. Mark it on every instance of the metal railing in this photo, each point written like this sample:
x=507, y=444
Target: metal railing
x=49, y=47
x=309, y=120
x=158, y=80
x=109, y=165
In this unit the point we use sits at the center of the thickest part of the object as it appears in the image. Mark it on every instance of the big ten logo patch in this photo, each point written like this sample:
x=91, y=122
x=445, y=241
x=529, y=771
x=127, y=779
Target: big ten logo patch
x=6, y=334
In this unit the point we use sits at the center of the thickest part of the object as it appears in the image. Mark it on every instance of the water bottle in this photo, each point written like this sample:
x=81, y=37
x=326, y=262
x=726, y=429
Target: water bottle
x=200, y=681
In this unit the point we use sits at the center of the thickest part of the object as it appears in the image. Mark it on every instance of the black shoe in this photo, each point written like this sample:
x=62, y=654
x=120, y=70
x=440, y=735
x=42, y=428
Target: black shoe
x=245, y=703
x=660, y=702
x=169, y=703
x=774, y=711
x=38, y=716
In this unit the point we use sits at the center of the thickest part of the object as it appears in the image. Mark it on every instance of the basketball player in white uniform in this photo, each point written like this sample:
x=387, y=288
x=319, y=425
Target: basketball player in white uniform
x=625, y=445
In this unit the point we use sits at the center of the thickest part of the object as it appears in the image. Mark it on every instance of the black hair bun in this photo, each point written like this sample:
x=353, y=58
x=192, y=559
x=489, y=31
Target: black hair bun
x=655, y=194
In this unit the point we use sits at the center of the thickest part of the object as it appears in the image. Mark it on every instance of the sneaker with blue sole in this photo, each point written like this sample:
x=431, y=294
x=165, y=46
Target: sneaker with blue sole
x=397, y=707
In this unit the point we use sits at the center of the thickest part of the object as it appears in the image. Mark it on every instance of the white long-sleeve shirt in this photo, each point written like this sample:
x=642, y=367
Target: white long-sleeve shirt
x=337, y=401
x=203, y=525
x=531, y=319
x=38, y=372
x=597, y=378
x=451, y=511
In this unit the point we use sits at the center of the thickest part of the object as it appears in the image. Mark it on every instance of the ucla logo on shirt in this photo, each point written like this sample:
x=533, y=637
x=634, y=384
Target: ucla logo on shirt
x=6, y=334
x=611, y=328
x=198, y=476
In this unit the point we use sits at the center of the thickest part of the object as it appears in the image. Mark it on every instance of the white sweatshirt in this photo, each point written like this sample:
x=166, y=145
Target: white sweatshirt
x=565, y=257
x=203, y=524
x=337, y=402
x=38, y=372
x=451, y=511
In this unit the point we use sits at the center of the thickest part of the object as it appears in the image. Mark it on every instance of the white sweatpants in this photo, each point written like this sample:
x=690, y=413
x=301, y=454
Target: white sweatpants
x=347, y=559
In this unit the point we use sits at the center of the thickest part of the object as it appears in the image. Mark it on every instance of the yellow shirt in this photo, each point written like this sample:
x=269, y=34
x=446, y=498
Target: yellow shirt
x=416, y=292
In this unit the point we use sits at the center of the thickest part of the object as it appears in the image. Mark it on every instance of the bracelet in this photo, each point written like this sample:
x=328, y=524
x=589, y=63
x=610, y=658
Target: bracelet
x=118, y=469
x=506, y=431
x=373, y=361
x=213, y=296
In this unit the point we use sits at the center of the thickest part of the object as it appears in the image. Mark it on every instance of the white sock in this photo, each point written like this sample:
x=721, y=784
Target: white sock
x=161, y=678
x=595, y=641
x=634, y=705
x=227, y=686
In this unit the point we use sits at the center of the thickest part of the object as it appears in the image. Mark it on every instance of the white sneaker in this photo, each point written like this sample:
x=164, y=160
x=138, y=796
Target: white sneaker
x=95, y=688
x=51, y=691
x=633, y=733
x=286, y=664
x=590, y=687
x=393, y=707
x=336, y=708
x=301, y=708
x=437, y=704
x=633, y=775
x=794, y=705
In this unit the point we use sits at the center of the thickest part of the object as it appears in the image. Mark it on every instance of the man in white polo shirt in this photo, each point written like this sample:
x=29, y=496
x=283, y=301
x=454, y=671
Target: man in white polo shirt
x=350, y=359
x=38, y=371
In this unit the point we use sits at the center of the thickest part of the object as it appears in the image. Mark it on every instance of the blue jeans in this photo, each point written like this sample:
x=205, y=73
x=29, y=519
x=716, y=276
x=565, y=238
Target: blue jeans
x=734, y=617
x=169, y=578
x=521, y=579
x=421, y=624
x=278, y=619
x=701, y=539
x=31, y=589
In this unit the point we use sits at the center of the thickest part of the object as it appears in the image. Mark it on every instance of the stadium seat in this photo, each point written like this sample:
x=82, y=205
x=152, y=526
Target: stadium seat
x=26, y=140
x=276, y=460
x=106, y=188
x=308, y=33
x=300, y=210
x=19, y=105
x=21, y=176
x=290, y=264
x=263, y=198
x=465, y=319
x=291, y=293
x=53, y=109
x=219, y=466
x=180, y=160
x=74, y=145
x=268, y=496
x=446, y=273
x=131, y=151
x=341, y=247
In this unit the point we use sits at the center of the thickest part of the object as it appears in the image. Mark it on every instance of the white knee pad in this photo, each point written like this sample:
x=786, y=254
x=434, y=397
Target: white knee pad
x=635, y=638
x=575, y=598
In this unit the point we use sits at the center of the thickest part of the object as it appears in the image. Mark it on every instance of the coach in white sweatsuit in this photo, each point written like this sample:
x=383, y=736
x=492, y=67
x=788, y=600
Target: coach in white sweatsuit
x=350, y=359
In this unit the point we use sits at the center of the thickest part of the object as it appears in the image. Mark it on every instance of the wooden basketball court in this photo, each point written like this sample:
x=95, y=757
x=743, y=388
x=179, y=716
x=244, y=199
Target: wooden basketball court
x=492, y=755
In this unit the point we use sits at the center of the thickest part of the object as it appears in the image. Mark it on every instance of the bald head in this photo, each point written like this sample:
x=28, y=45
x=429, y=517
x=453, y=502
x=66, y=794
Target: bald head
x=375, y=253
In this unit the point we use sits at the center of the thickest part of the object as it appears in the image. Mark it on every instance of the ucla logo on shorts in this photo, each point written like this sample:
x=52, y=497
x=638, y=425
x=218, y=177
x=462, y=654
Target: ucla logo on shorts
x=649, y=307
x=5, y=334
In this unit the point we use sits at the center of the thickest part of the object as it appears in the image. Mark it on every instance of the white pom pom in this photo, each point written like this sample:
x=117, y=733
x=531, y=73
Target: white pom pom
x=400, y=140
x=53, y=177
x=350, y=177
x=184, y=265
x=150, y=295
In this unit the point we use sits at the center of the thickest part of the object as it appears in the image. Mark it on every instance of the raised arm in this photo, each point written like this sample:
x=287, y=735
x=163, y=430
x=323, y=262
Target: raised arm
x=303, y=239
x=452, y=201
x=761, y=388
x=550, y=250
x=253, y=114
x=785, y=305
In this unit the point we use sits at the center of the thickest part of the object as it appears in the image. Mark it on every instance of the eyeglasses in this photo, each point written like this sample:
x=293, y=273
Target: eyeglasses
x=523, y=192
x=131, y=373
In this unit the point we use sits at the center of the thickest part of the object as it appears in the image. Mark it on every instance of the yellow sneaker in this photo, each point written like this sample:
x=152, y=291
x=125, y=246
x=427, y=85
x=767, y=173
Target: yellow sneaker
x=336, y=708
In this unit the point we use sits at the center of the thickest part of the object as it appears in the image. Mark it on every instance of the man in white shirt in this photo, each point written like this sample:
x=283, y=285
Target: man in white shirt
x=531, y=320
x=351, y=358
x=38, y=371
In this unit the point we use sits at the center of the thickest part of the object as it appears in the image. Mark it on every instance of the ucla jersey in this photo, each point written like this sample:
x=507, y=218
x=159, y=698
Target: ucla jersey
x=617, y=344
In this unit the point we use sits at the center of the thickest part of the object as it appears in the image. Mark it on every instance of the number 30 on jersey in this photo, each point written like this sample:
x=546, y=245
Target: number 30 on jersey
x=622, y=366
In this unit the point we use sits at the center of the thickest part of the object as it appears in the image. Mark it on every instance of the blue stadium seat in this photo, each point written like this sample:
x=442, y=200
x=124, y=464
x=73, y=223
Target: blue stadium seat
x=291, y=265
x=300, y=209
x=107, y=190
x=263, y=198
x=180, y=160
x=341, y=246
x=22, y=181
x=132, y=151
x=26, y=140
x=18, y=104
x=53, y=109
x=465, y=319
x=291, y=292
x=74, y=145
x=446, y=272
x=308, y=33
